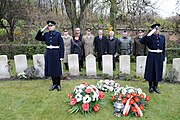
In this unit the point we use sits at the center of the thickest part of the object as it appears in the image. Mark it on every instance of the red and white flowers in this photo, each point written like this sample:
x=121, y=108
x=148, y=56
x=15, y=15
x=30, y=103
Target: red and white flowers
x=85, y=98
x=134, y=100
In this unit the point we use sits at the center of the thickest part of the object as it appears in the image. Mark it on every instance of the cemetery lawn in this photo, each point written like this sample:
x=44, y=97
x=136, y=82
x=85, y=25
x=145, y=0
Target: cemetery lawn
x=31, y=100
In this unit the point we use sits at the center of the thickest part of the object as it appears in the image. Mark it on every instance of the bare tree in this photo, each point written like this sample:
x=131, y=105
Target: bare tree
x=76, y=12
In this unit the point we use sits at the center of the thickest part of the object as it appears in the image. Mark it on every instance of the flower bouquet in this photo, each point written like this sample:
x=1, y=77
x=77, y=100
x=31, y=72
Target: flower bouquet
x=85, y=98
x=129, y=101
x=107, y=85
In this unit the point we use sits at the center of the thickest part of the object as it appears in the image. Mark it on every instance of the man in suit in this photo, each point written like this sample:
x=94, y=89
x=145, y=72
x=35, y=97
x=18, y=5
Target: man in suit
x=112, y=47
x=155, y=58
x=54, y=53
x=100, y=43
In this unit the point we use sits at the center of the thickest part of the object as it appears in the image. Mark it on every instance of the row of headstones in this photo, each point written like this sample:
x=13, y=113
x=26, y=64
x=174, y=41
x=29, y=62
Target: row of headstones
x=124, y=65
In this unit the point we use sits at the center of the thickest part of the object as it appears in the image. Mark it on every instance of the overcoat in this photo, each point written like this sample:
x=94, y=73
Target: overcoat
x=138, y=48
x=112, y=46
x=67, y=47
x=52, y=55
x=154, y=61
x=100, y=45
x=88, y=44
x=77, y=48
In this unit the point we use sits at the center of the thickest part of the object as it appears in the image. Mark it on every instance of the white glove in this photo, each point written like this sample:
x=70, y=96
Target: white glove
x=152, y=31
x=61, y=59
x=44, y=28
x=116, y=55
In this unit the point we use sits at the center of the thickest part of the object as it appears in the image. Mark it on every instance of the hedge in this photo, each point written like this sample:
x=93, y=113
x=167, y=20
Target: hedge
x=30, y=49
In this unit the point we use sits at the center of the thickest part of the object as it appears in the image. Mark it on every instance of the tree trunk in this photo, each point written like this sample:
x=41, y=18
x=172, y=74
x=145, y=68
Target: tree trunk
x=113, y=11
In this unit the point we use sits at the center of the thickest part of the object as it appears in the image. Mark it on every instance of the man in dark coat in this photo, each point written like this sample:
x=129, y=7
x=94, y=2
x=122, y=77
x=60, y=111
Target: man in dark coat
x=155, y=58
x=112, y=47
x=100, y=43
x=138, y=48
x=54, y=53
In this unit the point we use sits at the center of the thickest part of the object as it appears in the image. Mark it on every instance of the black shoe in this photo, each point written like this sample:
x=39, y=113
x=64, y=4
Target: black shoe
x=52, y=88
x=156, y=90
x=114, y=69
x=151, y=90
x=58, y=88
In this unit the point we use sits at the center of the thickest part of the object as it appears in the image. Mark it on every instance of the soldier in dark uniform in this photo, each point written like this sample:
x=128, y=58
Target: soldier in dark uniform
x=138, y=48
x=112, y=47
x=155, y=58
x=54, y=53
x=100, y=43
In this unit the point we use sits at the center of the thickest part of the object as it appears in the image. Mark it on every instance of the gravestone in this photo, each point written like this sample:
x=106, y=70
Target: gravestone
x=164, y=67
x=73, y=63
x=107, y=64
x=20, y=63
x=4, y=68
x=176, y=67
x=124, y=64
x=140, y=65
x=39, y=63
x=91, y=65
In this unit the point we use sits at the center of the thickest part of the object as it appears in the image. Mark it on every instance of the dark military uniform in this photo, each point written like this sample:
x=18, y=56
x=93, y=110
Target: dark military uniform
x=100, y=44
x=154, y=62
x=52, y=56
x=54, y=52
x=138, y=48
x=112, y=48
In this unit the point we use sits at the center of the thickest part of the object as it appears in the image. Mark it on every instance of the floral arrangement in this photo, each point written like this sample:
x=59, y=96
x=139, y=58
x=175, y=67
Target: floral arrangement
x=85, y=98
x=107, y=85
x=129, y=101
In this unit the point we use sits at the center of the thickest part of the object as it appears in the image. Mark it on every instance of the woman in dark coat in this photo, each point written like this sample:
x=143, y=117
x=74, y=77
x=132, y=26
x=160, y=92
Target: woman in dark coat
x=156, y=55
x=77, y=48
x=54, y=53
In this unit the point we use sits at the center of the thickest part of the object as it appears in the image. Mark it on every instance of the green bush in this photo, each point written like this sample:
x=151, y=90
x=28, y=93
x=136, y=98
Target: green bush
x=10, y=50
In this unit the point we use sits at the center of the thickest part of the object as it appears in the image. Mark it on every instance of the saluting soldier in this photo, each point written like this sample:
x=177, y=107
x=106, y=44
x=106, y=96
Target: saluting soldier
x=112, y=47
x=126, y=44
x=138, y=48
x=67, y=46
x=155, y=58
x=100, y=44
x=54, y=53
x=88, y=40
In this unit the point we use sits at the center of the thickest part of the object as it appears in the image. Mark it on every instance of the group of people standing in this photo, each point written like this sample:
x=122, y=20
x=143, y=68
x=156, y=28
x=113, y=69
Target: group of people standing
x=99, y=45
x=60, y=46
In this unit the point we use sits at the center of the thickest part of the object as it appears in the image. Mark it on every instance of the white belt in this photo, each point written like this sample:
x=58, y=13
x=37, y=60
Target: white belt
x=51, y=47
x=156, y=51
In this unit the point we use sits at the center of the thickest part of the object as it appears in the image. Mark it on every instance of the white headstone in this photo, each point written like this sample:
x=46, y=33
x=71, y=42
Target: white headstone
x=20, y=63
x=176, y=66
x=4, y=68
x=164, y=67
x=91, y=65
x=124, y=63
x=107, y=64
x=39, y=63
x=140, y=65
x=73, y=63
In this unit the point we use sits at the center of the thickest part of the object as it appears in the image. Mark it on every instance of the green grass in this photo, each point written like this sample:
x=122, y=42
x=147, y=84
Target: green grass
x=31, y=100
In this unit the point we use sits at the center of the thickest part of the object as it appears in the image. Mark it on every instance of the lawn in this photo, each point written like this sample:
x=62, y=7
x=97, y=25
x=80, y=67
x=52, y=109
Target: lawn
x=31, y=100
